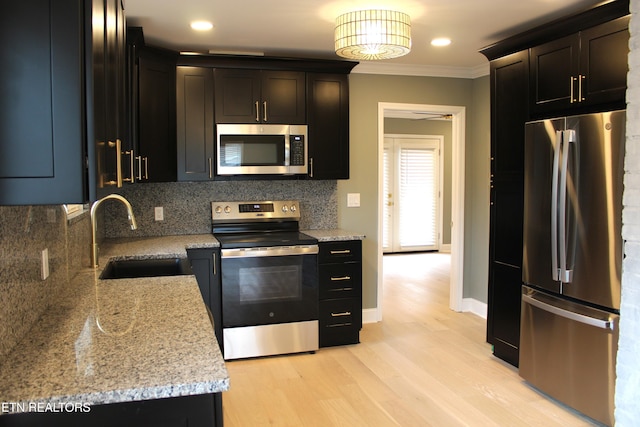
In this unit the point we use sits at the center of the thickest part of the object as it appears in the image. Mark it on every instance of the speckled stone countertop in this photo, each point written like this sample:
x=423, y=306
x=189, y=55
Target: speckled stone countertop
x=334, y=235
x=109, y=341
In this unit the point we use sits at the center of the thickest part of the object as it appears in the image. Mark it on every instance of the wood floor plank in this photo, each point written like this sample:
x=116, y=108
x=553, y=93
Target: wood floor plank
x=423, y=365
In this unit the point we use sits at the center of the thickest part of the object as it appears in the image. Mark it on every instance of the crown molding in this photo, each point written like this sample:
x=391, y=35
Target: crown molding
x=371, y=67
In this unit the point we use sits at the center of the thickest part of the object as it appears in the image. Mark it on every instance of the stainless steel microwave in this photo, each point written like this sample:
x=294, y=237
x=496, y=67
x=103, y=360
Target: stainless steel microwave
x=260, y=149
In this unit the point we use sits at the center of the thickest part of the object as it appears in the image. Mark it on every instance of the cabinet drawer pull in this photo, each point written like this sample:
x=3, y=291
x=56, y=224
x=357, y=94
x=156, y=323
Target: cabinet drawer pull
x=264, y=104
x=340, y=289
x=337, y=279
x=339, y=325
x=257, y=111
x=342, y=251
x=344, y=313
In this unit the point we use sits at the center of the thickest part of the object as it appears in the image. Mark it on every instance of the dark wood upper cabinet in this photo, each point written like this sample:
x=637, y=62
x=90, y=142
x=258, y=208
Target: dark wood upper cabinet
x=195, y=124
x=581, y=70
x=260, y=96
x=60, y=86
x=328, y=120
x=152, y=109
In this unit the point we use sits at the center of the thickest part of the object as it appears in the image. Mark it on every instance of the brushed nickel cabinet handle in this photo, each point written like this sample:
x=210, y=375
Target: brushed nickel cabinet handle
x=344, y=313
x=337, y=279
x=257, y=111
x=210, y=168
x=264, y=105
x=342, y=251
x=132, y=177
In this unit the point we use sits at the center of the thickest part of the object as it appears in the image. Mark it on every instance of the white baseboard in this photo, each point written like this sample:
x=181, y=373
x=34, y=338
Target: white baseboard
x=479, y=308
x=445, y=248
x=474, y=306
x=370, y=315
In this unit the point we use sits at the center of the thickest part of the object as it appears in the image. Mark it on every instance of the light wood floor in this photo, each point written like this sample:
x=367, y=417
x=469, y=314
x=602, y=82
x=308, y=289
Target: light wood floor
x=423, y=365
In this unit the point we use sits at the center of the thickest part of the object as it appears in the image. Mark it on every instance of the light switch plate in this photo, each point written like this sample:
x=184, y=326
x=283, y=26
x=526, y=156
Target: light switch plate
x=159, y=213
x=353, y=200
x=44, y=271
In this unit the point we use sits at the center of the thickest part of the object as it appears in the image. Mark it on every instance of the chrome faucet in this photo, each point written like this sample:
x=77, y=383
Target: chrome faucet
x=94, y=207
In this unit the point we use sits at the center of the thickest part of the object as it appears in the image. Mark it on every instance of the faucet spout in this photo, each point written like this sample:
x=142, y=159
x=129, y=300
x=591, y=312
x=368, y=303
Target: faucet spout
x=94, y=207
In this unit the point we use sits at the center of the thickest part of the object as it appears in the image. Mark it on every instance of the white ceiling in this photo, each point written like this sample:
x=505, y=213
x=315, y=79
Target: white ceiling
x=297, y=28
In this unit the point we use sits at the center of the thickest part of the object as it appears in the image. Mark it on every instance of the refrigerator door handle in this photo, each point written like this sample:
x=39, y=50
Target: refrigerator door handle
x=577, y=317
x=565, y=274
x=554, y=207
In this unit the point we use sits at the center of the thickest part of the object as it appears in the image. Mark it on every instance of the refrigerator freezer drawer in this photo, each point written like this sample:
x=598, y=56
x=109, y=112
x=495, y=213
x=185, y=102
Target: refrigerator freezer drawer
x=568, y=351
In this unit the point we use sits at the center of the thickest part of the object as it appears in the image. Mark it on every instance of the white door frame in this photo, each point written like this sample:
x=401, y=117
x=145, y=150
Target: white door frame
x=457, y=194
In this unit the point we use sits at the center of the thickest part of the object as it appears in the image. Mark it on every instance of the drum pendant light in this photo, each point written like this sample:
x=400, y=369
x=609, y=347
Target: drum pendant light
x=373, y=34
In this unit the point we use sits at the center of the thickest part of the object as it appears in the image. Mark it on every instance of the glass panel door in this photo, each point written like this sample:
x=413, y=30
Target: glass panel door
x=412, y=194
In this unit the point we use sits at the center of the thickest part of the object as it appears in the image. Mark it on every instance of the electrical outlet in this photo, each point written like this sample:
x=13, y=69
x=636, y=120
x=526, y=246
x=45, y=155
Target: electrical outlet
x=159, y=213
x=353, y=200
x=44, y=270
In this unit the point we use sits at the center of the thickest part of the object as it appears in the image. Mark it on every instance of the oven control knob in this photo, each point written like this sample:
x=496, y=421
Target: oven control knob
x=293, y=208
x=285, y=208
x=227, y=209
x=218, y=209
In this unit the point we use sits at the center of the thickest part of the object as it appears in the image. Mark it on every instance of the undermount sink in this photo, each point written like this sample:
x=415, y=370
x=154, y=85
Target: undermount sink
x=133, y=268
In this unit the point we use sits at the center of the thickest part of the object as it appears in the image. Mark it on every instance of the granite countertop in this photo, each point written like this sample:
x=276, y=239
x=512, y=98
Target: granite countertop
x=109, y=341
x=333, y=235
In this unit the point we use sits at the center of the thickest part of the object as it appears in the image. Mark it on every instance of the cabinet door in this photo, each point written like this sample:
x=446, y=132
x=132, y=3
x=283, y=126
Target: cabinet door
x=42, y=135
x=603, y=62
x=509, y=112
x=205, y=265
x=328, y=120
x=283, y=97
x=194, y=122
x=554, y=70
x=509, y=89
x=237, y=96
x=156, y=144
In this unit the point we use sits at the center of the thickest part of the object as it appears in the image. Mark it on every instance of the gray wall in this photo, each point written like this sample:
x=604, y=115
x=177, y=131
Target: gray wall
x=366, y=91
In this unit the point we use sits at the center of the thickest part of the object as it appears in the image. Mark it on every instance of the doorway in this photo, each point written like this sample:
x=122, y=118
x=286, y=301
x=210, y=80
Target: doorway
x=413, y=192
x=458, y=120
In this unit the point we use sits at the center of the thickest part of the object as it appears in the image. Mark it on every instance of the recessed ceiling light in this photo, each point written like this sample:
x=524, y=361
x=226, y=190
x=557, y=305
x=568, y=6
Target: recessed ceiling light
x=201, y=25
x=441, y=41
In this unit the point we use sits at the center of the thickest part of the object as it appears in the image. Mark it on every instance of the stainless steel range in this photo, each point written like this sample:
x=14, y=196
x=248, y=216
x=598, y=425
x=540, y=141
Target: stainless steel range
x=269, y=279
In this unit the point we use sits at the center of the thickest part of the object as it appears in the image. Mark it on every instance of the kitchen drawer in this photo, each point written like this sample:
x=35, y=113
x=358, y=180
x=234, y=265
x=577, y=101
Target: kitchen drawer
x=340, y=252
x=340, y=281
x=340, y=322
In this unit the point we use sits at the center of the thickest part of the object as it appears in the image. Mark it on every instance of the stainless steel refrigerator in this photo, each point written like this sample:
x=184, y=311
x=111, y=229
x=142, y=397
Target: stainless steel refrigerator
x=572, y=259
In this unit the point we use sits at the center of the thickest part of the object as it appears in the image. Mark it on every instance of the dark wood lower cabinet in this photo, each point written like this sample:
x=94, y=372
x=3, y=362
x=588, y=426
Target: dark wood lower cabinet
x=340, y=274
x=202, y=410
x=205, y=264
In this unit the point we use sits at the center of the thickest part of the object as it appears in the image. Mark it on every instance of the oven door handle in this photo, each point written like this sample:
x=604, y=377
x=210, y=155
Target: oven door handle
x=269, y=251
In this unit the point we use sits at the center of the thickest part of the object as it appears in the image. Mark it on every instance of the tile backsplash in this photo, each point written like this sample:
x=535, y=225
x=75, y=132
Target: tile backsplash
x=25, y=231
x=187, y=205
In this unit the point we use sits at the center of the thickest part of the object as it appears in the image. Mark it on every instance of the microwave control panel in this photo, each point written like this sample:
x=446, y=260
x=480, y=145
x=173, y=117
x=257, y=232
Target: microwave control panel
x=296, y=156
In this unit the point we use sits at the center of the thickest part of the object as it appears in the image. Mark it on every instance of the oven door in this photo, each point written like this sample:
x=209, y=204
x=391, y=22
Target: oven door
x=262, y=286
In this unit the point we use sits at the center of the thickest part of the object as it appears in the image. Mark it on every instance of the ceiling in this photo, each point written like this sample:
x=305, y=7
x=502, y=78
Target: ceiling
x=295, y=28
